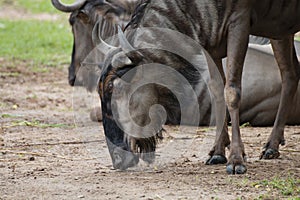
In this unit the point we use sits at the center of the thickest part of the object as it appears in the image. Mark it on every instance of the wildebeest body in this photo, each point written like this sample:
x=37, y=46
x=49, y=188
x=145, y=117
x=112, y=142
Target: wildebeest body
x=207, y=21
x=275, y=19
x=222, y=28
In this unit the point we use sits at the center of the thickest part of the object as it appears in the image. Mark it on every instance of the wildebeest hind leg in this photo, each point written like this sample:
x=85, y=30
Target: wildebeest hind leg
x=216, y=85
x=288, y=63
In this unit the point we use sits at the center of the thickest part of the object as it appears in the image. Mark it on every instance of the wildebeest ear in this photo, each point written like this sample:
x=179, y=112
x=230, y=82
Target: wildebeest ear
x=125, y=68
x=135, y=56
x=84, y=16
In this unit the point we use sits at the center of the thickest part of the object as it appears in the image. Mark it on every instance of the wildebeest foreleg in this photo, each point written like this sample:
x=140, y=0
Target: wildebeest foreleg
x=216, y=85
x=288, y=63
x=236, y=51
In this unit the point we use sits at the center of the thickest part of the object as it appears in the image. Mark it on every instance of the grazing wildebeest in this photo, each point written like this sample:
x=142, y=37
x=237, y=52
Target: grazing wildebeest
x=222, y=28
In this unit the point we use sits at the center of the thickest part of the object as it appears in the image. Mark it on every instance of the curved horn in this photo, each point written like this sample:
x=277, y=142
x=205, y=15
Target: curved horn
x=126, y=46
x=97, y=40
x=67, y=8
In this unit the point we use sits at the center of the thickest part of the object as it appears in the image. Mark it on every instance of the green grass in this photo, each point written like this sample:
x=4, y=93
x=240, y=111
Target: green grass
x=288, y=186
x=36, y=42
x=5, y=115
x=245, y=125
x=10, y=74
x=297, y=38
x=38, y=124
x=43, y=42
x=33, y=6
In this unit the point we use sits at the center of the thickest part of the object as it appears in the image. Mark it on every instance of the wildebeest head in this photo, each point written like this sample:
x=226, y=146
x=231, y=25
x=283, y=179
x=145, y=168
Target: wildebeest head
x=85, y=14
x=132, y=119
x=141, y=89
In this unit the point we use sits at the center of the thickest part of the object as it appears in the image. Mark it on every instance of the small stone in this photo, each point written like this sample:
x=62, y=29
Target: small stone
x=43, y=105
x=96, y=114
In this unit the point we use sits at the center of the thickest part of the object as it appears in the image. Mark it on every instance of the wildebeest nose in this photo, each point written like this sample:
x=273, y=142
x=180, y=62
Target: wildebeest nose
x=117, y=161
x=123, y=159
x=72, y=80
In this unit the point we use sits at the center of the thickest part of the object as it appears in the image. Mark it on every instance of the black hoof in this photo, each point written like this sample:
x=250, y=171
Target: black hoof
x=270, y=154
x=237, y=169
x=216, y=159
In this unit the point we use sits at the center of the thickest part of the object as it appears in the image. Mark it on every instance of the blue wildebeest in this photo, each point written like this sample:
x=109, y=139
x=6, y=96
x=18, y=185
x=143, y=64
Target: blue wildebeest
x=85, y=16
x=222, y=28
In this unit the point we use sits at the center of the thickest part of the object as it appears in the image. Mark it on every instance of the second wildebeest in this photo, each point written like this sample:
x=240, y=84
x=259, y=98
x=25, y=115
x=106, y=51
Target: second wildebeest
x=86, y=17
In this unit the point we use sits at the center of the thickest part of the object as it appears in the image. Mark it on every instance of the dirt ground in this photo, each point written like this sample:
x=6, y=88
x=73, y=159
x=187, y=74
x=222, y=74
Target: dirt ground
x=49, y=149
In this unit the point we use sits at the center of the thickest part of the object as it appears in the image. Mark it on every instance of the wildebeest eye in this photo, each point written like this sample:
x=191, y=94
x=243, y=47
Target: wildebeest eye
x=83, y=16
x=110, y=86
